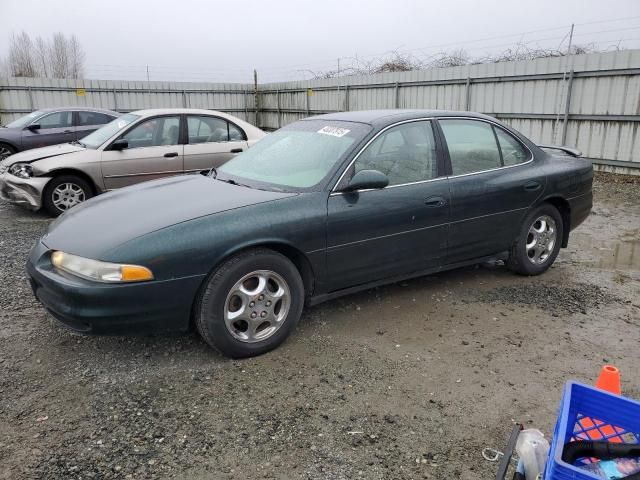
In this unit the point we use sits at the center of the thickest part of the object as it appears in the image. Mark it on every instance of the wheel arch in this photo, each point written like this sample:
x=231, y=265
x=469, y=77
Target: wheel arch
x=78, y=173
x=565, y=212
x=10, y=144
x=295, y=255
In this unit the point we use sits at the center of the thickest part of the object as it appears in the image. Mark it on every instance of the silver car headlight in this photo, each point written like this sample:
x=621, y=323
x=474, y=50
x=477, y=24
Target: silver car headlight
x=21, y=170
x=100, y=271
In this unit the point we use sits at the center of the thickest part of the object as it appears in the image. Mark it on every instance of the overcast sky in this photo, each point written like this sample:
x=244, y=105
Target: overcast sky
x=286, y=39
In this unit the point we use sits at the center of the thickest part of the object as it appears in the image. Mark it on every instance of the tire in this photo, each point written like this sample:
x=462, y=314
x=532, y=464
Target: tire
x=239, y=324
x=6, y=150
x=538, y=242
x=54, y=199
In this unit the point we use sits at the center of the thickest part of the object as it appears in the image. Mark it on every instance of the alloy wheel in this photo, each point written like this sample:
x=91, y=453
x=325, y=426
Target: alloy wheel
x=541, y=239
x=257, y=306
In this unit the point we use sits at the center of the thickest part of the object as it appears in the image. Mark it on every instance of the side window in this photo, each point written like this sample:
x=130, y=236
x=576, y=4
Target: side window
x=55, y=120
x=472, y=146
x=155, y=132
x=204, y=129
x=92, y=118
x=405, y=154
x=512, y=151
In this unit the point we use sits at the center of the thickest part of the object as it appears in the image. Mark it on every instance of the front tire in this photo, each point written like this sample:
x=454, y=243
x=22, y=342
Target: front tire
x=65, y=192
x=250, y=304
x=6, y=150
x=538, y=242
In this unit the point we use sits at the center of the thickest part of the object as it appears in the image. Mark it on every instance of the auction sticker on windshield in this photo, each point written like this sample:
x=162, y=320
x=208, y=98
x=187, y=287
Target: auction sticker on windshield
x=334, y=131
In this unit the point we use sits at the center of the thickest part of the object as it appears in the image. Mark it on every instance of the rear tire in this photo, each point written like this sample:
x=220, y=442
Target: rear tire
x=6, y=150
x=250, y=304
x=65, y=192
x=538, y=242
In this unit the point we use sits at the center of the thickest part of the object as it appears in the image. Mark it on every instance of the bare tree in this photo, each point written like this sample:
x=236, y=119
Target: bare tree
x=21, y=59
x=61, y=57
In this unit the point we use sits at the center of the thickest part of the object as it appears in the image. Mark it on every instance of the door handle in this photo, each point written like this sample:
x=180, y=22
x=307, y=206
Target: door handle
x=235, y=150
x=171, y=154
x=435, y=202
x=532, y=186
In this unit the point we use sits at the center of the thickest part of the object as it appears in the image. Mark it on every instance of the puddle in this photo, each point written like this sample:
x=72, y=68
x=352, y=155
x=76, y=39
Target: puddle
x=608, y=255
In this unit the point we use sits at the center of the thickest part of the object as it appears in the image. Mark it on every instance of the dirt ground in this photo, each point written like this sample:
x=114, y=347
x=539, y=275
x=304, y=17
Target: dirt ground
x=406, y=381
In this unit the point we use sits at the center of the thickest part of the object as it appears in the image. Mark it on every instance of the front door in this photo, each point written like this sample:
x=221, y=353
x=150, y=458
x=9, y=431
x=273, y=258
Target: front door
x=397, y=230
x=154, y=151
x=493, y=184
x=211, y=141
x=54, y=128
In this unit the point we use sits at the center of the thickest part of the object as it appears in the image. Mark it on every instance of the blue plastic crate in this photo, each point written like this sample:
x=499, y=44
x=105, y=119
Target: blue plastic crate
x=587, y=413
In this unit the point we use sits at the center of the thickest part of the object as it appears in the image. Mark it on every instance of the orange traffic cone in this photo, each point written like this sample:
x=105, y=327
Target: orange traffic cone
x=609, y=380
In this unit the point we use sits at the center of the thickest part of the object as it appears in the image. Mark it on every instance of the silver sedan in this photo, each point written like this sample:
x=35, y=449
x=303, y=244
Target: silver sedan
x=135, y=147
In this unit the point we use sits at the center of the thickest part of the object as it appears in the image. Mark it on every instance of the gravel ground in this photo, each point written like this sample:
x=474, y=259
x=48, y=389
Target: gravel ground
x=406, y=381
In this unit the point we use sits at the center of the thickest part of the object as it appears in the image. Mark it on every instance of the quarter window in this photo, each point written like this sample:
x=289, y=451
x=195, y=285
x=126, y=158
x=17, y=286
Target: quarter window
x=513, y=152
x=55, y=120
x=155, y=132
x=472, y=146
x=405, y=153
x=205, y=129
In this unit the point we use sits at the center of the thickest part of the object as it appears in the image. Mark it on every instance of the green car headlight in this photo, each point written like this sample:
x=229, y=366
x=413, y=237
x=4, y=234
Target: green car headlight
x=100, y=271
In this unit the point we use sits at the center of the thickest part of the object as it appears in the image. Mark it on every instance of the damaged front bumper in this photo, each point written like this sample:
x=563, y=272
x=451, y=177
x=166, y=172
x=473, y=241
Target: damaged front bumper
x=26, y=192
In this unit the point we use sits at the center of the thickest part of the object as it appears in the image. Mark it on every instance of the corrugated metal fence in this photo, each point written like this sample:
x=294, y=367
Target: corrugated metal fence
x=23, y=95
x=589, y=101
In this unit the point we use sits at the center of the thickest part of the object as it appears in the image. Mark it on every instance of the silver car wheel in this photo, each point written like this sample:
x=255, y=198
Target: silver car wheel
x=4, y=152
x=541, y=239
x=67, y=195
x=257, y=306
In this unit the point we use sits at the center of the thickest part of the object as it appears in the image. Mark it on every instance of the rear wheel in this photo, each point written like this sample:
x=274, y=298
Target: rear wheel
x=65, y=192
x=6, y=150
x=538, y=243
x=250, y=304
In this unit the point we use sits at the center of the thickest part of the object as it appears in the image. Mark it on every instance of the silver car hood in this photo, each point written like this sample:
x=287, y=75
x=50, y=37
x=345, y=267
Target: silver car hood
x=36, y=154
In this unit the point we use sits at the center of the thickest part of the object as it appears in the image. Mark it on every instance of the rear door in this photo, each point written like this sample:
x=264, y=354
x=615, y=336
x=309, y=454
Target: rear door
x=493, y=182
x=87, y=122
x=55, y=128
x=400, y=229
x=155, y=150
x=211, y=141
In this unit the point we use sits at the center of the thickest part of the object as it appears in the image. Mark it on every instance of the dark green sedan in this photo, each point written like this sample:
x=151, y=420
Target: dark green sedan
x=321, y=208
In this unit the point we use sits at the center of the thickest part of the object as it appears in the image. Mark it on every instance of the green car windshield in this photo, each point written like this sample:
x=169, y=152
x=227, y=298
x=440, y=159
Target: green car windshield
x=297, y=157
x=97, y=138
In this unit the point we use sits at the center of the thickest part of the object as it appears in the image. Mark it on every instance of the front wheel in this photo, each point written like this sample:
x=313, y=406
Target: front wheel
x=538, y=242
x=250, y=304
x=6, y=150
x=65, y=192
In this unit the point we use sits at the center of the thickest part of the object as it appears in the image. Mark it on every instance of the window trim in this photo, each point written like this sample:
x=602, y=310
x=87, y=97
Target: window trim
x=441, y=175
x=445, y=146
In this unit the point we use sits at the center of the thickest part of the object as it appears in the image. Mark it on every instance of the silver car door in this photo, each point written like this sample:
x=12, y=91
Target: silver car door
x=211, y=141
x=154, y=151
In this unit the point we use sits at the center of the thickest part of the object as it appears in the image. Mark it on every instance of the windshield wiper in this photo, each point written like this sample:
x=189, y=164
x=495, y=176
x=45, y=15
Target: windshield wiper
x=78, y=142
x=233, y=182
x=213, y=173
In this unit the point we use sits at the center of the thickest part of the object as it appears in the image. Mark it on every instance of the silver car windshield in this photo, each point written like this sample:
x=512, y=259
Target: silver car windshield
x=298, y=156
x=24, y=121
x=97, y=138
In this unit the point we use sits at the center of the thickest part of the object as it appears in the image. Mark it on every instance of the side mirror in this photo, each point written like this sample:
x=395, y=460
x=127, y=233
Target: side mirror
x=119, y=144
x=367, y=179
x=34, y=126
